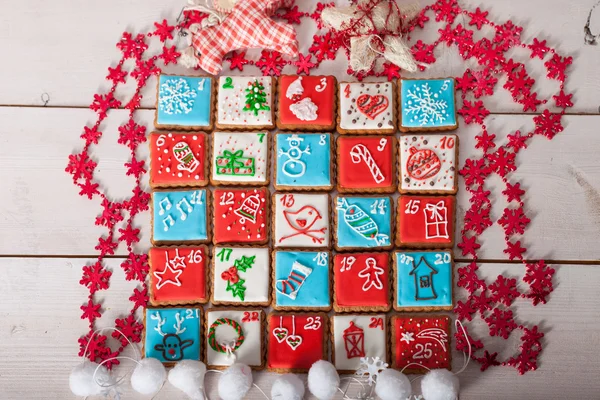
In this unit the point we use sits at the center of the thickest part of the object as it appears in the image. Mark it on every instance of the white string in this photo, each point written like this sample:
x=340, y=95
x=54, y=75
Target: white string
x=345, y=392
x=220, y=372
x=382, y=42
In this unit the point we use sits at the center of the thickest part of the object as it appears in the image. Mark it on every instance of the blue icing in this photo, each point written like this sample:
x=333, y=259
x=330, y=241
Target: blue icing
x=179, y=215
x=428, y=103
x=184, y=100
x=171, y=346
x=424, y=279
x=302, y=279
x=363, y=222
x=303, y=159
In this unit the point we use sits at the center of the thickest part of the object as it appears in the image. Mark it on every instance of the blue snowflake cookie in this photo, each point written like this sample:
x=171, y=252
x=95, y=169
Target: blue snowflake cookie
x=301, y=280
x=179, y=216
x=184, y=102
x=363, y=222
x=427, y=104
x=303, y=161
x=172, y=334
x=423, y=280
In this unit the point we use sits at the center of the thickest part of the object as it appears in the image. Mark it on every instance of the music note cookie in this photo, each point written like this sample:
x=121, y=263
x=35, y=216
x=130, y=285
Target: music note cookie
x=368, y=108
x=179, y=216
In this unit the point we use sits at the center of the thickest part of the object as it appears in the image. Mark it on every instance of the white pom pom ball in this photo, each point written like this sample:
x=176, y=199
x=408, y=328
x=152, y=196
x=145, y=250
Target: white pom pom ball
x=323, y=380
x=188, y=376
x=148, y=376
x=287, y=387
x=440, y=384
x=235, y=382
x=81, y=380
x=392, y=385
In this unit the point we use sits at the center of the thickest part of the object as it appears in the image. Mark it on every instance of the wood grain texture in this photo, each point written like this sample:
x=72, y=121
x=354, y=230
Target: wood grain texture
x=40, y=299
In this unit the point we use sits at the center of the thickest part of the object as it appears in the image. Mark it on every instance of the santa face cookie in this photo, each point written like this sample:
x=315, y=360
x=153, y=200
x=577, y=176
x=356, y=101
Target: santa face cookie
x=178, y=159
x=245, y=102
x=422, y=340
x=427, y=105
x=303, y=161
x=423, y=280
x=184, y=102
x=178, y=275
x=366, y=164
x=296, y=341
x=301, y=220
x=361, y=282
x=367, y=108
x=240, y=215
x=306, y=102
x=357, y=336
x=172, y=334
x=179, y=216
x=241, y=276
x=240, y=332
x=428, y=164
x=426, y=221
x=240, y=158
x=363, y=222
x=301, y=280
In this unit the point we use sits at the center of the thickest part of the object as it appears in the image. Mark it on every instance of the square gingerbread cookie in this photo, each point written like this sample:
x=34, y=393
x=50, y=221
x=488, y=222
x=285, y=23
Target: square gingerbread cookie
x=428, y=163
x=240, y=158
x=246, y=103
x=180, y=216
x=427, y=105
x=426, y=221
x=363, y=222
x=367, y=108
x=307, y=103
x=241, y=215
x=301, y=220
x=184, y=102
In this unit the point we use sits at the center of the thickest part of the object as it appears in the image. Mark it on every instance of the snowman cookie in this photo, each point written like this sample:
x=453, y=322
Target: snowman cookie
x=303, y=161
x=367, y=108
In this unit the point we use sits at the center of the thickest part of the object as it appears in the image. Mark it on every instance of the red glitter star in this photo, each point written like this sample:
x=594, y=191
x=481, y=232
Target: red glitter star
x=106, y=246
x=538, y=49
x=516, y=141
x=531, y=102
x=473, y=112
x=423, y=53
x=324, y=47
x=237, y=59
x=468, y=278
x=116, y=75
x=445, y=10
x=478, y=18
x=502, y=162
x=139, y=298
x=136, y=267
x=135, y=167
x=469, y=246
x=163, y=30
x=481, y=302
x=129, y=235
x=270, y=63
x=539, y=275
x=464, y=311
x=557, y=66
x=111, y=214
x=485, y=141
x=130, y=329
x=514, y=221
x=132, y=134
x=91, y=135
x=474, y=172
x=95, y=277
x=169, y=55
x=548, y=124
x=501, y=323
x=514, y=250
x=563, y=100
x=488, y=360
x=513, y=192
x=525, y=361
x=391, y=71
x=303, y=64
x=480, y=197
x=103, y=103
x=477, y=219
x=88, y=189
x=504, y=290
x=90, y=311
x=80, y=166
x=292, y=15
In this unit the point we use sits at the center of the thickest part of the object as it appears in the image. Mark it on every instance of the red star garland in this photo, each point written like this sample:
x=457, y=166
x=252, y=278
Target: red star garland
x=485, y=141
x=163, y=30
x=504, y=290
x=292, y=15
x=270, y=63
x=304, y=64
x=514, y=250
x=237, y=59
x=513, y=192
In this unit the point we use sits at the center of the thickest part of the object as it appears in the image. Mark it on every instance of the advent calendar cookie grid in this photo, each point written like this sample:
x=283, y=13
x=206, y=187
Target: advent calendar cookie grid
x=241, y=216
x=366, y=164
x=241, y=276
x=303, y=161
x=178, y=159
x=175, y=334
x=236, y=110
x=430, y=105
x=421, y=339
x=240, y=329
x=423, y=280
x=358, y=335
x=178, y=275
x=361, y=282
x=172, y=208
x=366, y=108
x=428, y=163
x=240, y=158
x=307, y=103
x=301, y=220
x=295, y=341
x=185, y=102
x=426, y=221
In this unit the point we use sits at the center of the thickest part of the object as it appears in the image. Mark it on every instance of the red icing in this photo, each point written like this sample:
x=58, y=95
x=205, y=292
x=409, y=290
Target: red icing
x=354, y=171
x=349, y=286
x=422, y=215
x=240, y=215
x=192, y=265
x=429, y=348
x=311, y=348
x=324, y=100
x=187, y=160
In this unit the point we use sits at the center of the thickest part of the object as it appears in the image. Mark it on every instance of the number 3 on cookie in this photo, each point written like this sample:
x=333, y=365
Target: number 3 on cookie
x=312, y=323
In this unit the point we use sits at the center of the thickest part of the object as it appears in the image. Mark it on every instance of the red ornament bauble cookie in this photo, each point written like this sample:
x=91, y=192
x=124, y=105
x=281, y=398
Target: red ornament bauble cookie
x=423, y=164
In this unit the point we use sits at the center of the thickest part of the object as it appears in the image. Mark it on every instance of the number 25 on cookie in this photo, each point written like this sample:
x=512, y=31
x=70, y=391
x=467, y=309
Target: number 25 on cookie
x=412, y=207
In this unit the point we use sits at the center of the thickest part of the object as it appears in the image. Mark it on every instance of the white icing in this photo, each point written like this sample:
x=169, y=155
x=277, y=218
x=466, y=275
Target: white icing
x=322, y=86
x=305, y=109
x=348, y=99
x=295, y=89
x=231, y=102
x=251, y=146
x=286, y=235
x=250, y=352
x=375, y=339
x=257, y=277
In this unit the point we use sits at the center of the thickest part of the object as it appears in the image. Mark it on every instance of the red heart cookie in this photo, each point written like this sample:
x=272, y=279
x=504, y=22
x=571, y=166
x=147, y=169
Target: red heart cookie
x=372, y=106
x=294, y=341
x=280, y=334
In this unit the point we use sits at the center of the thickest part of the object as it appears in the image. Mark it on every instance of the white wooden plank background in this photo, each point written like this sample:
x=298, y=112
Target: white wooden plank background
x=63, y=48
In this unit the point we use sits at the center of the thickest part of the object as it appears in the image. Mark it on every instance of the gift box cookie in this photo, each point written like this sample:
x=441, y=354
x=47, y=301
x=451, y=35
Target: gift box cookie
x=363, y=222
x=184, y=102
x=180, y=216
x=301, y=220
x=303, y=161
x=307, y=103
x=427, y=105
x=426, y=221
x=240, y=158
x=245, y=103
x=240, y=216
x=366, y=108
